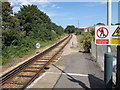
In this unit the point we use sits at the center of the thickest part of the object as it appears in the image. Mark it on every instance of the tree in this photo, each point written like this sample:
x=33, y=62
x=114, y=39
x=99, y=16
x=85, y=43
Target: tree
x=6, y=15
x=70, y=29
x=59, y=30
x=77, y=31
x=52, y=26
x=117, y=24
x=15, y=23
x=8, y=36
x=100, y=24
x=30, y=16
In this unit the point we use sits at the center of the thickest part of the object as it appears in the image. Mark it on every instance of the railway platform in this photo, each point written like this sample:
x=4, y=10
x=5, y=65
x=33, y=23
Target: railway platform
x=73, y=70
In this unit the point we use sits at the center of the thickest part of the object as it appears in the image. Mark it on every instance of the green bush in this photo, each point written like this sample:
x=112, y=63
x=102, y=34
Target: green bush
x=77, y=32
x=26, y=28
x=86, y=40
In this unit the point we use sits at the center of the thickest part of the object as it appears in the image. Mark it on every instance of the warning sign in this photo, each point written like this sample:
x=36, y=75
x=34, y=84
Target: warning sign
x=107, y=35
x=102, y=41
x=117, y=32
x=115, y=40
x=102, y=32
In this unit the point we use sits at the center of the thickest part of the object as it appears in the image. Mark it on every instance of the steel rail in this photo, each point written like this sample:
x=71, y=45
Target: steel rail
x=18, y=69
x=48, y=63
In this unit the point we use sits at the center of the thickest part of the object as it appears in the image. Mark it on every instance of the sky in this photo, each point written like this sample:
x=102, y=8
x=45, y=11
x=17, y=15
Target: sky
x=71, y=13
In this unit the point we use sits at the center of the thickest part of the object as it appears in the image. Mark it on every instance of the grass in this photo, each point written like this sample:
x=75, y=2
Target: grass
x=80, y=38
x=11, y=52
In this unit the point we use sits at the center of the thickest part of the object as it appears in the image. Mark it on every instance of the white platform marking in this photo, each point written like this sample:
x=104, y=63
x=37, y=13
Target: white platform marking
x=35, y=81
x=72, y=74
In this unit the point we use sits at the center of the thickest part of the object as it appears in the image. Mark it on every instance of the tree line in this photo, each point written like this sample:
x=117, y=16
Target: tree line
x=22, y=30
x=28, y=22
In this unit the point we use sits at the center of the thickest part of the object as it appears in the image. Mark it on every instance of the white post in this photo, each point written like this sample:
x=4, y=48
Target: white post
x=109, y=19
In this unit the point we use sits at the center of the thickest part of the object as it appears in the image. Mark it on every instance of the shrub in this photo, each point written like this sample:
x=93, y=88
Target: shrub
x=87, y=43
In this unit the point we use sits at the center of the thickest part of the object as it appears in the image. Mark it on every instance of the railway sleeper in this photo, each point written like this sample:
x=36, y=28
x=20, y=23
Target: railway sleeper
x=46, y=59
x=35, y=67
x=11, y=87
x=39, y=64
x=26, y=76
x=16, y=82
x=30, y=71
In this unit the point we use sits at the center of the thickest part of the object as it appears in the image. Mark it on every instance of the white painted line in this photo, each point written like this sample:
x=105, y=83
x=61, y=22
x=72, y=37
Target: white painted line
x=53, y=73
x=36, y=81
x=73, y=74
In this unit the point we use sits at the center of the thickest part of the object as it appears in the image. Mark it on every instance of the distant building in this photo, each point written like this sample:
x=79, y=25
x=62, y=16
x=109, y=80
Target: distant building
x=88, y=29
x=81, y=29
x=119, y=12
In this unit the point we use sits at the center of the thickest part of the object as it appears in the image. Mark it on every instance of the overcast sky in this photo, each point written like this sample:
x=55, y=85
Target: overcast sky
x=70, y=13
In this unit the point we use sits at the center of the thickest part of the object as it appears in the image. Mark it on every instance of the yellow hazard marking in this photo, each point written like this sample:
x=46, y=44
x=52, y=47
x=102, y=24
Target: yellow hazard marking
x=115, y=40
x=117, y=32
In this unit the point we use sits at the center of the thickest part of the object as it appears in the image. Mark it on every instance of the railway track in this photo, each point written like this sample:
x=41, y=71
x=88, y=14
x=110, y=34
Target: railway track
x=26, y=73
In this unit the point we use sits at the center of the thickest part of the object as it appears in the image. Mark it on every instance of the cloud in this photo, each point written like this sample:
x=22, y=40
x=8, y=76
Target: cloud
x=62, y=1
x=58, y=7
x=13, y=2
x=51, y=14
x=16, y=9
x=25, y=3
x=43, y=1
x=28, y=1
x=94, y=4
x=55, y=6
x=40, y=3
x=103, y=2
x=67, y=19
x=71, y=18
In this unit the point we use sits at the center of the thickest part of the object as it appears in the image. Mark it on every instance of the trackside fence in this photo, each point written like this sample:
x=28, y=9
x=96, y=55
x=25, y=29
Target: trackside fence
x=98, y=51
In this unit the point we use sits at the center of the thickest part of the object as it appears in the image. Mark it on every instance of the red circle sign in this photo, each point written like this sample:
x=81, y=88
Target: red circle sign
x=102, y=32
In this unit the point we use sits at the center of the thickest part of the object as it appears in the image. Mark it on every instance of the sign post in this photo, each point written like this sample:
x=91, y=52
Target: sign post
x=108, y=35
x=109, y=18
x=108, y=78
x=108, y=70
x=118, y=55
x=38, y=46
x=118, y=68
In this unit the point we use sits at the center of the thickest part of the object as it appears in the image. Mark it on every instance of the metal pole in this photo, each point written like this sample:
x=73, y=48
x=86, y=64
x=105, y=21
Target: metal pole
x=109, y=11
x=108, y=56
x=118, y=68
x=108, y=70
x=118, y=55
x=109, y=19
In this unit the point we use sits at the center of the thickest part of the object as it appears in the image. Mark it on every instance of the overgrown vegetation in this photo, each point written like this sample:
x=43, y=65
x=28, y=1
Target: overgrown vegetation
x=85, y=38
x=21, y=31
x=70, y=29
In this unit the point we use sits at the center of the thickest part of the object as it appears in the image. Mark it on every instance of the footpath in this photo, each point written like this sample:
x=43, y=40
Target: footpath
x=73, y=70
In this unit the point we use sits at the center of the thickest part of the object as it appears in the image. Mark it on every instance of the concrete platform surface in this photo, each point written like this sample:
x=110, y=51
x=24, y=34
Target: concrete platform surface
x=74, y=70
x=80, y=72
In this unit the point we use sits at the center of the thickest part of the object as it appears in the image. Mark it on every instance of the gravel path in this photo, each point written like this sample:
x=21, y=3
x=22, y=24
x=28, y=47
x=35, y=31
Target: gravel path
x=72, y=46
